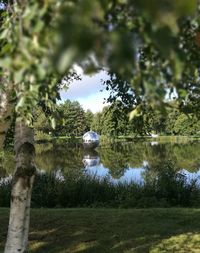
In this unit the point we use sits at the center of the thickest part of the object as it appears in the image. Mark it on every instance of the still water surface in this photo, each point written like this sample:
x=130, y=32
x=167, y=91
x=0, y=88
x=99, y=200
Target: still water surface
x=121, y=161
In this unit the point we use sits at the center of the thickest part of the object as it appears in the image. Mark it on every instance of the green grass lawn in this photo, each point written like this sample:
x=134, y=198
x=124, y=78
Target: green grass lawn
x=111, y=230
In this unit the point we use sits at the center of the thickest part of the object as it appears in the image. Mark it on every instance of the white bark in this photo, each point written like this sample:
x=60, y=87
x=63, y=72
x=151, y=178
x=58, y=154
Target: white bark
x=27, y=214
x=17, y=238
x=6, y=112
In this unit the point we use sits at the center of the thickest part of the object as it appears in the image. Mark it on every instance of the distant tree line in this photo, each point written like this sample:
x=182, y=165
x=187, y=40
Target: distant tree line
x=114, y=120
x=71, y=120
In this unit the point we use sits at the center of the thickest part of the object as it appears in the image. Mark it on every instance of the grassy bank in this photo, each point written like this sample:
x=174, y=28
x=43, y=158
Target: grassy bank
x=104, y=139
x=111, y=230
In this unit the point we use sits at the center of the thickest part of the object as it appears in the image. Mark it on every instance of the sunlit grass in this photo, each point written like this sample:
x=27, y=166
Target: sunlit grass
x=111, y=230
x=188, y=242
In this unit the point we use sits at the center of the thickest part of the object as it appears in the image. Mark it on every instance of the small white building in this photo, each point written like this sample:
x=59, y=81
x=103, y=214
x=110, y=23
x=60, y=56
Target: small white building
x=90, y=139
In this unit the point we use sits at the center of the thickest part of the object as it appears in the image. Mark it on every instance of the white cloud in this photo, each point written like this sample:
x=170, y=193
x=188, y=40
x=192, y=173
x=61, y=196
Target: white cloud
x=88, y=86
x=88, y=91
x=95, y=102
x=2, y=6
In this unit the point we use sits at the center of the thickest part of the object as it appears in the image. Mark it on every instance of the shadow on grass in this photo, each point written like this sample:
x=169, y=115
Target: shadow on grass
x=111, y=230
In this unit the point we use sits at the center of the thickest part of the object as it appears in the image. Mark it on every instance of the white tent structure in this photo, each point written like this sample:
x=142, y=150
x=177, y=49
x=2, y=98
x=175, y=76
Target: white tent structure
x=90, y=139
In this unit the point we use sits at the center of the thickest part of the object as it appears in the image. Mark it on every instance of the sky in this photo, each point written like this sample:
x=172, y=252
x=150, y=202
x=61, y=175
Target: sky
x=2, y=5
x=88, y=91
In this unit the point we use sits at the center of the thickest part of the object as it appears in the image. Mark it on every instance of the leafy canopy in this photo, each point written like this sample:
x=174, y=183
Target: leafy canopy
x=152, y=45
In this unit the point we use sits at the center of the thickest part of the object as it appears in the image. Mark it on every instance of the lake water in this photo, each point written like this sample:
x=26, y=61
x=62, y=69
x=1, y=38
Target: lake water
x=120, y=161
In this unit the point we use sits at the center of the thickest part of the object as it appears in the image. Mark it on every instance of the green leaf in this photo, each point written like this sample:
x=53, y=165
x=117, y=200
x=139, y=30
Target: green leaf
x=4, y=34
x=18, y=76
x=20, y=103
x=53, y=123
x=6, y=48
x=66, y=59
x=185, y=7
x=5, y=62
x=135, y=113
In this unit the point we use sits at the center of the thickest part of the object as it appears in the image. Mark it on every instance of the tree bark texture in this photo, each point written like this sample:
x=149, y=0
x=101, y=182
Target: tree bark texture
x=6, y=113
x=17, y=238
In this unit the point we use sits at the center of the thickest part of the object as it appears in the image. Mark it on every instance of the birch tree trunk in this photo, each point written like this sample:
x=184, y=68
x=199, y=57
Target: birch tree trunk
x=6, y=112
x=17, y=238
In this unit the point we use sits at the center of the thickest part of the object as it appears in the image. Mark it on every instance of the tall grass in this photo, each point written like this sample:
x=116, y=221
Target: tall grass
x=161, y=188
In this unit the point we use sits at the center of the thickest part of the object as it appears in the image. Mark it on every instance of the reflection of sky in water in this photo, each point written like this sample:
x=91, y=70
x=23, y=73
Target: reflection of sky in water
x=129, y=175
x=133, y=174
x=5, y=180
x=136, y=156
x=191, y=176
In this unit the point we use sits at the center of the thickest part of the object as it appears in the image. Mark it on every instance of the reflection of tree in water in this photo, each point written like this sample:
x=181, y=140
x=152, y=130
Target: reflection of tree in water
x=184, y=156
x=154, y=172
x=41, y=148
x=115, y=160
x=168, y=172
x=188, y=157
x=6, y=164
x=119, y=157
x=3, y=172
x=65, y=157
x=158, y=154
x=169, y=185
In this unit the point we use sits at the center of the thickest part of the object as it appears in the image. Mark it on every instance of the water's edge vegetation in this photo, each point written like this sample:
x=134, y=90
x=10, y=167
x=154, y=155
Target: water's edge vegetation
x=169, y=176
x=163, y=188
